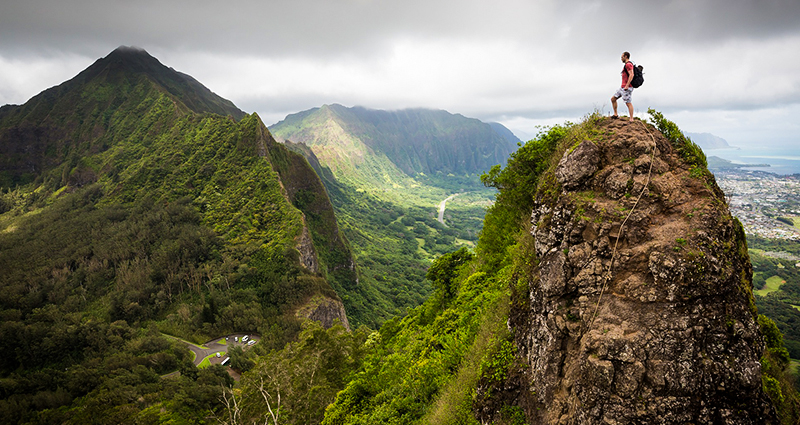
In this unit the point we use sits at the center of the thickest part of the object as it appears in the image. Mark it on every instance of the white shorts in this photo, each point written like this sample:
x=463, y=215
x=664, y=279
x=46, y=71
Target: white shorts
x=625, y=94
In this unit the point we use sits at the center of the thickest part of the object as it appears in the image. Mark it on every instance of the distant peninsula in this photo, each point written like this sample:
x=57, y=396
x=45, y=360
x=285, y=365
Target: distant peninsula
x=717, y=163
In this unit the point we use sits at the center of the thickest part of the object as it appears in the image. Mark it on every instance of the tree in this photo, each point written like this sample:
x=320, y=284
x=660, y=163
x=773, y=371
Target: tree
x=444, y=270
x=295, y=385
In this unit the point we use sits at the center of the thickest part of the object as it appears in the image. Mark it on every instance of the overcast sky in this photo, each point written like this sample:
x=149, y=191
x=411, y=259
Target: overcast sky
x=719, y=66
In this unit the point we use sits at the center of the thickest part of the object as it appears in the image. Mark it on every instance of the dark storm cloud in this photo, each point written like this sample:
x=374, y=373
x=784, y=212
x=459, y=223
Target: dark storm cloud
x=362, y=27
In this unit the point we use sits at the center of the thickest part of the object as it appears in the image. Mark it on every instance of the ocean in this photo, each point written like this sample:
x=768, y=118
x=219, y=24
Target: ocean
x=782, y=160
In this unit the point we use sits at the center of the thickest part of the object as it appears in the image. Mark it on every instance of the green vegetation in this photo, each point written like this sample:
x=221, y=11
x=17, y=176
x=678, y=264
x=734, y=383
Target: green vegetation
x=296, y=383
x=145, y=216
x=772, y=284
x=779, y=385
x=206, y=362
x=427, y=365
x=389, y=214
x=792, y=221
x=689, y=151
x=779, y=320
x=778, y=281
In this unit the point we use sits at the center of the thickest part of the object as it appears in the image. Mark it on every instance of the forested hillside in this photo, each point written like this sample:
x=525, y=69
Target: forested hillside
x=129, y=208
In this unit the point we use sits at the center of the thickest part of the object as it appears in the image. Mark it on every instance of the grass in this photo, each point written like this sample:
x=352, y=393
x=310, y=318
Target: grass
x=206, y=361
x=794, y=365
x=772, y=285
x=202, y=347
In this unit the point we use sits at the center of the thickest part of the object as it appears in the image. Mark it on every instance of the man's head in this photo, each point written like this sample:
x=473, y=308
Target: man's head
x=625, y=56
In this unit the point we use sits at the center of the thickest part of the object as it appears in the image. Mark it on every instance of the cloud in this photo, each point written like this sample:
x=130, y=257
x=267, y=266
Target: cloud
x=22, y=78
x=520, y=61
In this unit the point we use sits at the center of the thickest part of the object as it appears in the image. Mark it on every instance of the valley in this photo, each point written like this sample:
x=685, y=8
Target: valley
x=386, y=173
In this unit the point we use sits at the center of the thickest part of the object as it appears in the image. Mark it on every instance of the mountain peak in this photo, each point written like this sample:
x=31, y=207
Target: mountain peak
x=116, y=83
x=638, y=252
x=129, y=50
x=130, y=62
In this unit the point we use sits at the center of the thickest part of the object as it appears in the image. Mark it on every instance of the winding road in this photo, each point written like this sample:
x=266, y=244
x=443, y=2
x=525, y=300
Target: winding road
x=441, y=207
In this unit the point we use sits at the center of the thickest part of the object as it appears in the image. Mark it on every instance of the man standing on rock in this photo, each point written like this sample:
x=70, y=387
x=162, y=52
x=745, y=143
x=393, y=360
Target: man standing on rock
x=626, y=91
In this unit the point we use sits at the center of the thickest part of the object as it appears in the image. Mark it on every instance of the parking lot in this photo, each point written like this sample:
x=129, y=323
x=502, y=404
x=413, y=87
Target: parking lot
x=221, y=345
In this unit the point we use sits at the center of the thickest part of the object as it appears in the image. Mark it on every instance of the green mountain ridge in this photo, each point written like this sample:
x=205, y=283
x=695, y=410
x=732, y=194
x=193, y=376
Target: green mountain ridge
x=387, y=144
x=74, y=117
x=129, y=205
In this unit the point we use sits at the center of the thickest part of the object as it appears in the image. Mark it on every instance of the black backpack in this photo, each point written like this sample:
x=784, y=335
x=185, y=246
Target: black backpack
x=638, y=75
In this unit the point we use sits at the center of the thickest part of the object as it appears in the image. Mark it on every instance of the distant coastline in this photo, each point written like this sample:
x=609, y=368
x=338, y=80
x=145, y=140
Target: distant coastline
x=775, y=160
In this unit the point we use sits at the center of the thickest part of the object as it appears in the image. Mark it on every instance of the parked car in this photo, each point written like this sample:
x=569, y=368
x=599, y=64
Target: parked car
x=252, y=341
x=244, y=338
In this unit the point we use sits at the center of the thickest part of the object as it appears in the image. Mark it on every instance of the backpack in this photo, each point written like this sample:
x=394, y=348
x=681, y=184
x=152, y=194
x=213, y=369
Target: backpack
x=638, y=75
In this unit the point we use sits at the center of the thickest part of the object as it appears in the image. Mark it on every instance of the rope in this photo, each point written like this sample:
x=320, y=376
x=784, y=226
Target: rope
x=607, y=274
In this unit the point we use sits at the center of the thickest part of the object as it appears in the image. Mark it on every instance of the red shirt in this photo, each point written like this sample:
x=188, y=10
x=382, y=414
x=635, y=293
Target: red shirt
x=627, y=71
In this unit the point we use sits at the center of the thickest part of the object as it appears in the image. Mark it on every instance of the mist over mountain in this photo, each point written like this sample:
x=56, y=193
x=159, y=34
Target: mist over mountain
x=506, y=133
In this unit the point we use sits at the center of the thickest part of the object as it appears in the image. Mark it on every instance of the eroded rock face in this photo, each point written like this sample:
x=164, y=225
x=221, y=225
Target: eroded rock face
x=578, y=165
x=308, y=255
x=326, y=311
x=673, y=339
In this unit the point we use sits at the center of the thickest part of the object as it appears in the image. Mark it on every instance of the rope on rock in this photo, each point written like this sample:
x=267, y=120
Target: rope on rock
x=607, y=274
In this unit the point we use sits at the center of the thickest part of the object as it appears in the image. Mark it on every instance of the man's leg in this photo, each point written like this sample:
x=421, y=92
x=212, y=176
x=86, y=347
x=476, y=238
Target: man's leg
x=630, y=110
x=614, y=104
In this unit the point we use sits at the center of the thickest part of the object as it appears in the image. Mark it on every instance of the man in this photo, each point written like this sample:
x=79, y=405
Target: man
x=626, y=91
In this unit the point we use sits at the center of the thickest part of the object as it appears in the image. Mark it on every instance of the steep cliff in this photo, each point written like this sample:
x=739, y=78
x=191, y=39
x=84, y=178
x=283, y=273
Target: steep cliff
x=640, y=309
x=322, y=247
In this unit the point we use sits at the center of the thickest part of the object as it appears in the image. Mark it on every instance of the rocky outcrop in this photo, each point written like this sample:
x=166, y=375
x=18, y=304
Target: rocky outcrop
x=305, y=246
x=325, y=310
x=640, y=310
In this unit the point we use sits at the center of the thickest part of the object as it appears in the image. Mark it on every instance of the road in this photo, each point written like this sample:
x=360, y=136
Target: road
x=217, y=345
x=441, y=207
